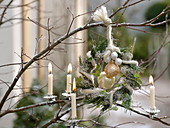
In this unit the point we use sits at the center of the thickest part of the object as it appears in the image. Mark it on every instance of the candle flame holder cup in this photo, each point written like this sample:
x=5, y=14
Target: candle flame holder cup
x=152, y=112
x=73, y=123
x=50, y=97
x=66, y=94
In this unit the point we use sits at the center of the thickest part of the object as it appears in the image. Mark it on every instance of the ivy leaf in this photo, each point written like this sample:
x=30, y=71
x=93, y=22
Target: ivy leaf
x=89, y=59
x=137, y=76
x=105, y=107
x=86, y=101
x=80, y=61
x=97, y=71
x=78, y=80
x=114, y=108
x=103, y=92
x=62, y=126
x=126, y=100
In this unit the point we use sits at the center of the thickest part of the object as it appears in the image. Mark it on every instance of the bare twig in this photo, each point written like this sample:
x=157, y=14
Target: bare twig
x=58, y=117
x=56, y=42
x=69, y=33
x=16, y=6
x=125, y=7
x=31, y=106
x=4, y=11
x=146, y=115
x=165, y=69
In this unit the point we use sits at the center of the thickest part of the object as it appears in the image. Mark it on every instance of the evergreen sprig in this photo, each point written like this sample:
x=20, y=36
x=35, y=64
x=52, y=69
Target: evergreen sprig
x=127, y=81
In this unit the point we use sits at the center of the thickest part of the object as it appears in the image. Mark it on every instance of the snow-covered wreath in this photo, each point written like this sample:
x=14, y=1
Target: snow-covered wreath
x=110, y=74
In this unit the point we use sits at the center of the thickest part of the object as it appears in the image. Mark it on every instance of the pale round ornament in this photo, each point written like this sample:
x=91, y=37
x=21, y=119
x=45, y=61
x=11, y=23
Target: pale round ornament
x=127, y=56
x=111, y=70
x=114, y=55
x=102, y=74
x=105, y=82
x=107, y=53
x=107, y=59
x=118, y=61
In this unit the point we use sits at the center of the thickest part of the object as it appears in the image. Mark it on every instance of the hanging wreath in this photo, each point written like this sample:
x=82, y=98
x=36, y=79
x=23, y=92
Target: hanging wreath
x=108, y=73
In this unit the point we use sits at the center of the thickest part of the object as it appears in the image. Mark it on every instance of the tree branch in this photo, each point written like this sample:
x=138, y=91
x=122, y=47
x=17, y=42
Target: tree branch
x=145, y=115
x=58, y=41
x=31, y=106
x=4, y=11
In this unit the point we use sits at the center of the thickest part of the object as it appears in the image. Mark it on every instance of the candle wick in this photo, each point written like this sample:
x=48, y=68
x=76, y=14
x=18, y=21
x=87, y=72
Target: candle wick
x=69, y=72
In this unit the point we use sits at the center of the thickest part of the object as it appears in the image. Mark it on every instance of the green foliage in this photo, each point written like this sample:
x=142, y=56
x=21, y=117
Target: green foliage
x=84, y=83
x=99, y=102
x=89, y=124
x=114, y=108
x=59, y=84
x=121, y=34
x=156, y=9
x=98, y=47
x=142, y=43
x=35, y=117
x=129, y=73
x=61, y=126
x=96, y=72
x=119, y=94
x=102, y=101
x=97, y=41
x=126, y=100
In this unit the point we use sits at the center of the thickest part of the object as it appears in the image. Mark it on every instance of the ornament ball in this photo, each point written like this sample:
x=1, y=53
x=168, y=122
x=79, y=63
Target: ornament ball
x=111, y=70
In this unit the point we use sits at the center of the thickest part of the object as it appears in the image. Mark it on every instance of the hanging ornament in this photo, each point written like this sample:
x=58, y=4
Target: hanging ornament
x=118, y=61
x=107, y=59
x=105, y=82
x=111, y=69
x=114, y=55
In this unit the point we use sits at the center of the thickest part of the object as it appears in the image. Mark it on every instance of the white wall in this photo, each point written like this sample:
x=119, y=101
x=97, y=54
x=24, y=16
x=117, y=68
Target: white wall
x=10, y=46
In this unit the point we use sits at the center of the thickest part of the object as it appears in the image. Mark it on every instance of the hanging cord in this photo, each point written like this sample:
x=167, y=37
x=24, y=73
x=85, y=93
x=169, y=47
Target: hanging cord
x=101, y=15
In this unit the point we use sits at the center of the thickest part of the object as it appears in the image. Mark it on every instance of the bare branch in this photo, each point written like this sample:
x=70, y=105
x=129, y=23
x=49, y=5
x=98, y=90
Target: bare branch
x=16, y=6
x=4, y=11
x=146, y=115
x=31, y=106
x=125, y=7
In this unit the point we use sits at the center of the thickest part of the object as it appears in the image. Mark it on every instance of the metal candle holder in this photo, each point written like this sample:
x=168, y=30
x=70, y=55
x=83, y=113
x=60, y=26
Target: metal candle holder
x=152, y=112
x=66, y=94
x=50, y=97
x=73, y=123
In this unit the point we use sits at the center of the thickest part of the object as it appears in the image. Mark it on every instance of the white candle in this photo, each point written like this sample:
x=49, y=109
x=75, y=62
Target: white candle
x=74, y=84
x=152, y=93
x=73, y=106
x=69, y=78
x=50, y=80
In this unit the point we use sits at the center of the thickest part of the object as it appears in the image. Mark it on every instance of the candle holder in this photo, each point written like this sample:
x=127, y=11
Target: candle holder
x=152, y=112
x=66, y=94
x=73, y=123
x=50, y=97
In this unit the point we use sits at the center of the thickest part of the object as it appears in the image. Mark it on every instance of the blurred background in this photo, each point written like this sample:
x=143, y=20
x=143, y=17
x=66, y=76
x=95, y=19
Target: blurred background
x=23, y=33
